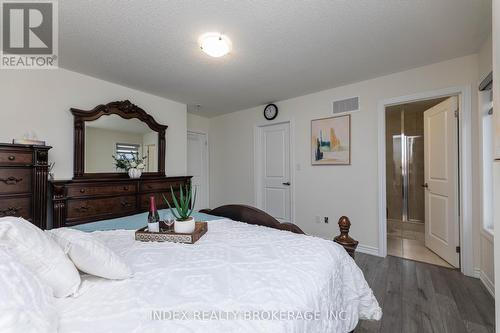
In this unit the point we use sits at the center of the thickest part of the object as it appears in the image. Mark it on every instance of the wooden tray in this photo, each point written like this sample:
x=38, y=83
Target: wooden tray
x=143, y=235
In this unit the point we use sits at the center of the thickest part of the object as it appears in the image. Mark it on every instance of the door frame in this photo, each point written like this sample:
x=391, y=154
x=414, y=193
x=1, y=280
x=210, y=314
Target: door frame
x=464, y=164
x=258, y=162
x=207, y=162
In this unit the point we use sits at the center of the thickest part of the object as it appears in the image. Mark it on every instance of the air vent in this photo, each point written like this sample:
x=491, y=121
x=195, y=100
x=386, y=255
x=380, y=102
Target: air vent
x=346, y=105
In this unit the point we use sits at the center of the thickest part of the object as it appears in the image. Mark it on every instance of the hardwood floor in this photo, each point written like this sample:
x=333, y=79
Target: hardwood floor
x=418, y=297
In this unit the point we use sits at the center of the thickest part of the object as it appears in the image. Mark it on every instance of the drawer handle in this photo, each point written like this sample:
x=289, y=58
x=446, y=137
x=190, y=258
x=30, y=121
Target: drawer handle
x=11, y=180
x=82, y=190
x=9, y=211
x=150, y=187
x=12, y=158
x=126, y=204
x=125, y=188
x=83, y=209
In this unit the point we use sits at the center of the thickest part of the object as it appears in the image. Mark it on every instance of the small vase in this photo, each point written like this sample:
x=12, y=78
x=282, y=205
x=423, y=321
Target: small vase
x=134, y=173
x=184, y=227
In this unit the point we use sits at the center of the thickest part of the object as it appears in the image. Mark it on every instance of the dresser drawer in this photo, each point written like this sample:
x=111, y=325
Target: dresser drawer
x=20, y=207
x=91, y=189
x=160, y=202
x=16, y=157
x=82, y=208
x=160, y=186
x=15, y=180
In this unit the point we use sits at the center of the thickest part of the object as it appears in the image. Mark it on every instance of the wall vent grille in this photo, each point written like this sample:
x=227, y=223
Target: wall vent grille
x=346, y=105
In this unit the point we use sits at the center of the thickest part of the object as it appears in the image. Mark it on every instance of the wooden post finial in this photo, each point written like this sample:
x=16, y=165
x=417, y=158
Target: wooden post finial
x=344, y=239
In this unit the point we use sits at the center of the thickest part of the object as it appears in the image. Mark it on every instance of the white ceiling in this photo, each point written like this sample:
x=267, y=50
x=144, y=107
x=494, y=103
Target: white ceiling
x=281, y=48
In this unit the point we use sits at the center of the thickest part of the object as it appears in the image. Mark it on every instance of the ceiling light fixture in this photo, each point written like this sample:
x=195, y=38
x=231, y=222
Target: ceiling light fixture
x=215, y=44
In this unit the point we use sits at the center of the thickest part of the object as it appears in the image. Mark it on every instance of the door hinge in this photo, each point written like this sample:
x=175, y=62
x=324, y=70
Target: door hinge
x=456, y=113
x=458, y=249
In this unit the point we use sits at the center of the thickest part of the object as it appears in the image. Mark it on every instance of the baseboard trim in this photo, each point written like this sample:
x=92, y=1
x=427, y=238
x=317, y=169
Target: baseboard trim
x=366, y=249
x=488, y=284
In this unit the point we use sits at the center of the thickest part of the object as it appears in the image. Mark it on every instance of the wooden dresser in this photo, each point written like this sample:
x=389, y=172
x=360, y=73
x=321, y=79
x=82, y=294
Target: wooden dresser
x=84, y=200
x=23, y=182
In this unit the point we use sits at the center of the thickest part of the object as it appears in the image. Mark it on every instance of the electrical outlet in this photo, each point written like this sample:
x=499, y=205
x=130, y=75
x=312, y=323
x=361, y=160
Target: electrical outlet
x=326, y=219
x=318, y=219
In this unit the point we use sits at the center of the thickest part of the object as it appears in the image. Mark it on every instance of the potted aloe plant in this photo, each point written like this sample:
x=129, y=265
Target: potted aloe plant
x=182, y=209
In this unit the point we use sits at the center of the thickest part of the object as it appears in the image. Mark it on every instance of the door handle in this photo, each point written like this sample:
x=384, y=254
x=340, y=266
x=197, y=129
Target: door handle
x=287, y=184
x=425, y=185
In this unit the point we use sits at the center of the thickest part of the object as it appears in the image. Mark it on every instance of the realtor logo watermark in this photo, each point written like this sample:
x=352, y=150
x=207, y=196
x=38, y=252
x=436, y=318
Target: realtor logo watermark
x=29, y=38
x=250, y=315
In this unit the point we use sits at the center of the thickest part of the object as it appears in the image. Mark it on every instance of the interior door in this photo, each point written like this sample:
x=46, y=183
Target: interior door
x=197, y=166
x=441, y=180
x=275, y=171
x=151, y=158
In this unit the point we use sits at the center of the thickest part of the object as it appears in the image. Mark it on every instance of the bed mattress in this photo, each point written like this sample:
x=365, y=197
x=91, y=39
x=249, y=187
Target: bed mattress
x=237, y=278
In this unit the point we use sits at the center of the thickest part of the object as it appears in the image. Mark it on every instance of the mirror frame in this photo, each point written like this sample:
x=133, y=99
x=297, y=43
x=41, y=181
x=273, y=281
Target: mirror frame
x=126, y=110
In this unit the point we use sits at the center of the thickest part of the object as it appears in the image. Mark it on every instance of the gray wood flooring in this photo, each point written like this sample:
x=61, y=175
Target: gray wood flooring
x=419, y=297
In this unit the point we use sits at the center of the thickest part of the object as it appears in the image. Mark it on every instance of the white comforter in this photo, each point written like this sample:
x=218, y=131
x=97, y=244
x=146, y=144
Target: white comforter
x=251, y=278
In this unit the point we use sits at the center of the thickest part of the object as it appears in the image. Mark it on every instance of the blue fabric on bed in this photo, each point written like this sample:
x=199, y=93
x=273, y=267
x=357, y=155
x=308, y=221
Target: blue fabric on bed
x=134, y=222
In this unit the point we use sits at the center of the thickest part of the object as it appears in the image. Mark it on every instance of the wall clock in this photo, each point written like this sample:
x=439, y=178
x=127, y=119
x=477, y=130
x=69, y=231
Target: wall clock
x=270, y=111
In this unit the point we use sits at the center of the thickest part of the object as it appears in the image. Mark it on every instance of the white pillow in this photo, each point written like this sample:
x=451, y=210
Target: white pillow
x=40, y=254
x=26, y=304
x=90, y=255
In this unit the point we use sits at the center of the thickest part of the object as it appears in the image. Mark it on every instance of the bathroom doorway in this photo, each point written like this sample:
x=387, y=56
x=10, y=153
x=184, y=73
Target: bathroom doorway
x=419, y=136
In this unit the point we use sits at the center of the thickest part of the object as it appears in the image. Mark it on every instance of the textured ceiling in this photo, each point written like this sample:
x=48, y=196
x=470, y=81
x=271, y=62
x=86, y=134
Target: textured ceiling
x=281, y=49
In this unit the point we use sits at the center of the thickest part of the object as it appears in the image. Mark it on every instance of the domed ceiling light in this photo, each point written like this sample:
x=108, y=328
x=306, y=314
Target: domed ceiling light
x=215, y=44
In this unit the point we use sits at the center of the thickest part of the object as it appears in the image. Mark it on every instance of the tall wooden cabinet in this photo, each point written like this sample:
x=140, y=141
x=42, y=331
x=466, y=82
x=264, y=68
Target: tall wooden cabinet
x=23, y=182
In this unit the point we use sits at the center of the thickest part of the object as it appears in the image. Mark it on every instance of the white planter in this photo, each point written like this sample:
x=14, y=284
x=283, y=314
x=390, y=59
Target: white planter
x=184, y=227
x=134, y=173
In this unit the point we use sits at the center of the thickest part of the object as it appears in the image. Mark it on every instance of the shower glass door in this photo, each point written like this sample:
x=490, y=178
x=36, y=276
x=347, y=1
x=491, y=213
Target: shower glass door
x=405, y=165
x=414, y=193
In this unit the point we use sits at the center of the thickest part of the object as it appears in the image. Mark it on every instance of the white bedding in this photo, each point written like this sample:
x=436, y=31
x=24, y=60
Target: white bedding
x=236, y=268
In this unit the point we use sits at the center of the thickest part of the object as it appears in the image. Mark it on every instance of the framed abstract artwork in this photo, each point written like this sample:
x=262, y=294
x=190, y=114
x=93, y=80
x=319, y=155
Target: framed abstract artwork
x=331, y=141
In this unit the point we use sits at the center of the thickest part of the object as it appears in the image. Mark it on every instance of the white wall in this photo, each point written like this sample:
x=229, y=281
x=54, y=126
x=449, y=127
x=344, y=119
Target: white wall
x=496, y=170
x=486, y=265
x=40, y=100
x=485, y=56
x=332, y=190
x=197, y=123
x=100, y=146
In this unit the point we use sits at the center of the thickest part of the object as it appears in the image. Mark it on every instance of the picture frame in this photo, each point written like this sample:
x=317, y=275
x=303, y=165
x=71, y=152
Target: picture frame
x=331, y=140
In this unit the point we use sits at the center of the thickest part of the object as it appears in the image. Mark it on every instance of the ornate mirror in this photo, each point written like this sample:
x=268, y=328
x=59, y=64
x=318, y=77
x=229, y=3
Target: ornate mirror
x=117, y=129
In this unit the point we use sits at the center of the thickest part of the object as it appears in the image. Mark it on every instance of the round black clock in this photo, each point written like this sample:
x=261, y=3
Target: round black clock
x=270, y=111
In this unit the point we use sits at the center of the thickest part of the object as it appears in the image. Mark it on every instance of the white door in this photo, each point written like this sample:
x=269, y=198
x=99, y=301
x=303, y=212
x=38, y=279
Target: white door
x=441, y=180
x=151, y=158
x=197, y=166
x=275, y=182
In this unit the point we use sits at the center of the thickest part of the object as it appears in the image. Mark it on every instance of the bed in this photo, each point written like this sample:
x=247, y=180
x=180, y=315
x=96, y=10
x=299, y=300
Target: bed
x=239, y=277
